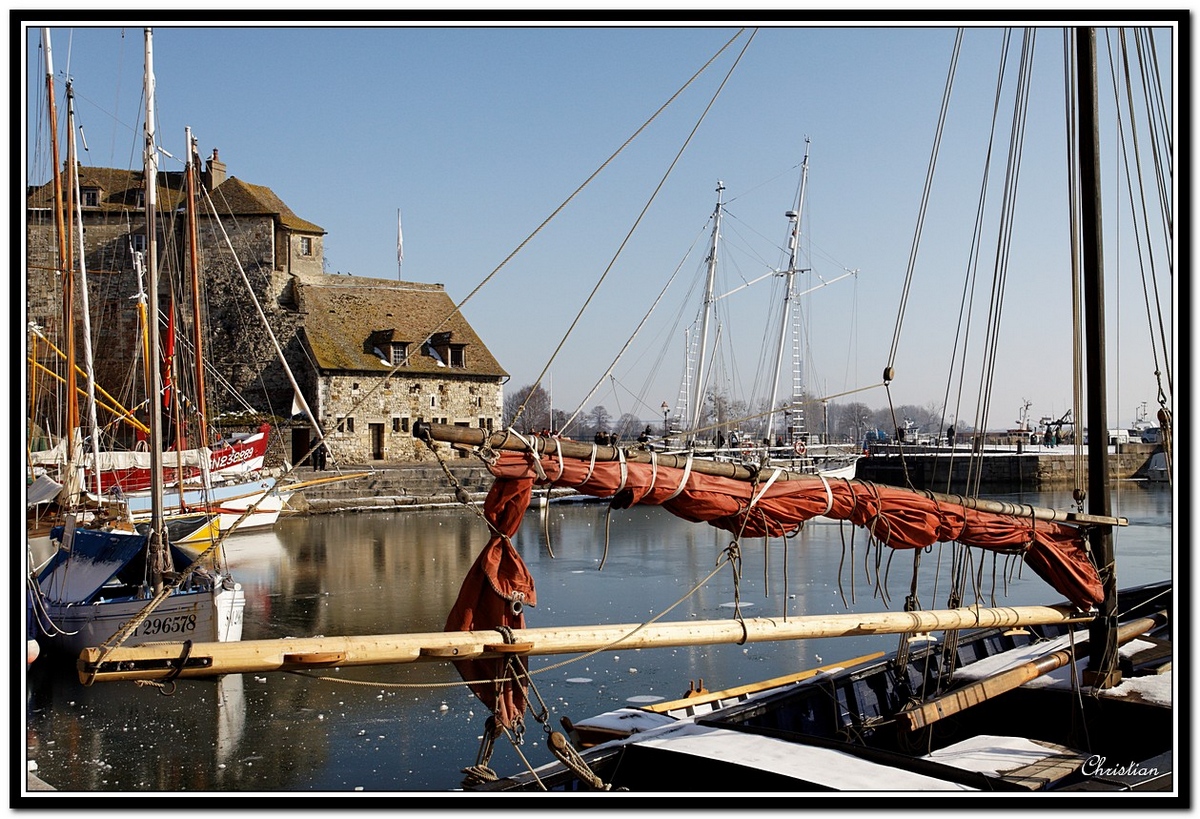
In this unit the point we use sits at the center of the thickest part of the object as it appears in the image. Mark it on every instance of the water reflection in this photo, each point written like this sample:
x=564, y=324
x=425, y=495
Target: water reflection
x=414, y=727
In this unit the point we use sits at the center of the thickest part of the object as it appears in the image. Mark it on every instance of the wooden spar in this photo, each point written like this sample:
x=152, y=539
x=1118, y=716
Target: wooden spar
x=120, y=412
x=161, y=660
x=349, y=476
x=705, y=697
x=726, y=469
x=983, y=690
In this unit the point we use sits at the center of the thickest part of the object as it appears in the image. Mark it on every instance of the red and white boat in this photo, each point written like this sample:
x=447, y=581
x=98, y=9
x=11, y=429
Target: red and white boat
x=129, y=471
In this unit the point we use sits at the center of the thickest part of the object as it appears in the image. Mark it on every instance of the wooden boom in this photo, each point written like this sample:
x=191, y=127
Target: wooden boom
x=180, y=660
x=982, y=690
x=468, y=436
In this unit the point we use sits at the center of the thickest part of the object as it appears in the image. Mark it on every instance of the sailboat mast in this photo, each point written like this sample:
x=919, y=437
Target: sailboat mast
x=157, y=547
x=194, y=268
x=85, y=309
x=709, y=299
x=71, y=419
x=789, y=279
x=60, y=230
x=1103, y=658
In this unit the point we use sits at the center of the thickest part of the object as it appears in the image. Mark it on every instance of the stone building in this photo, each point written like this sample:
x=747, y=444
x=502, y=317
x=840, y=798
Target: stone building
x=254, y=254
x=384, y=355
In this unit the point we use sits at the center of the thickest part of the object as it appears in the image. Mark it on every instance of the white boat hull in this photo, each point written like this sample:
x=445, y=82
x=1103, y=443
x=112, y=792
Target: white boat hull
x=201, y=616
x=228, y=501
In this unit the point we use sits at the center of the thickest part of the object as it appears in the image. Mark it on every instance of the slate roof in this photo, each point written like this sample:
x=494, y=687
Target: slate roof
x=346, y=314
x=120, y=190
x=238, y=198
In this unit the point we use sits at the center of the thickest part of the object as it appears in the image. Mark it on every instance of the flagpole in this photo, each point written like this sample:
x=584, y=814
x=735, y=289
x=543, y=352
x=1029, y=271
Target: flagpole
x=399, y=248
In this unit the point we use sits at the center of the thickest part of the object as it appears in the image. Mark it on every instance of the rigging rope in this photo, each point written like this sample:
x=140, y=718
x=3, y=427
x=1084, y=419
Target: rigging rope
x=925, y=195
x=649, y=202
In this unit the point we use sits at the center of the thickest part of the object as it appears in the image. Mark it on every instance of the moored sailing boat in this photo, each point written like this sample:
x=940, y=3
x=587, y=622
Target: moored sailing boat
x=117, y=581
x=1041, y=707
x=759, y=439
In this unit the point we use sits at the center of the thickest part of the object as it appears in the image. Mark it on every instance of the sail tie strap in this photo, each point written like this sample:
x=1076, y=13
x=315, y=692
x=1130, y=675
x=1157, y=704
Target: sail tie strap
x=828, y=495
x=653, y=470
x=591, y=467
x=561, y=465
x=774, y=476
x=531, y=445
x=624, y=470
x=687, y=470
x=607, y=528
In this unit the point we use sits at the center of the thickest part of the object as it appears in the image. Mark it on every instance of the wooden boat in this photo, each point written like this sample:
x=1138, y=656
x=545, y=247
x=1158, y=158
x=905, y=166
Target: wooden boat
x=856, y=728
x=238, y=455
x=246, y=504
x=1031, y=708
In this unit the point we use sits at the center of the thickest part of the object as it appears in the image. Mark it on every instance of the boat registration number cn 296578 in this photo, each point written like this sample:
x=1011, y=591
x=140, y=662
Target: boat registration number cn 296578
x=167, y=624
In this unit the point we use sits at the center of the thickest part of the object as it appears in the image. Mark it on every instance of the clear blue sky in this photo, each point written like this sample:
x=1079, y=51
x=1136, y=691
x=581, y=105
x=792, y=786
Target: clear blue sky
x=478, y=133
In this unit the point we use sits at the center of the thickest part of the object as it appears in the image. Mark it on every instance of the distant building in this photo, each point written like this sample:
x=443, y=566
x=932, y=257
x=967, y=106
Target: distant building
x=329, y=327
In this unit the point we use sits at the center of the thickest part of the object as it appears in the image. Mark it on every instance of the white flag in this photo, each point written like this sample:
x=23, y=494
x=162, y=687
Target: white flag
x=399, y=239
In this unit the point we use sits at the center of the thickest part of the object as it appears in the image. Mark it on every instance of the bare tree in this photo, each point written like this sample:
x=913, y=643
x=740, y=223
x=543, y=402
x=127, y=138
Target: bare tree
x=536, y=414
x=628, y=426
x=597, y=420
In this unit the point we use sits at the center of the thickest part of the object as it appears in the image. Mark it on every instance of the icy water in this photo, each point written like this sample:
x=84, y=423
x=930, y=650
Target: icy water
x=413, y=728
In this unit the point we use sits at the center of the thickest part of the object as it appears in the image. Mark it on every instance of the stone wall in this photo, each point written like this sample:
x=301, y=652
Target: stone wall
x=371, y=418
x=394, y=487
x=240, y=348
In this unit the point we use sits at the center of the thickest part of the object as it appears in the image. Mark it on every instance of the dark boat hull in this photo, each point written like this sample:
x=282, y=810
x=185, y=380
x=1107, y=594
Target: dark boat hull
x=842, y=731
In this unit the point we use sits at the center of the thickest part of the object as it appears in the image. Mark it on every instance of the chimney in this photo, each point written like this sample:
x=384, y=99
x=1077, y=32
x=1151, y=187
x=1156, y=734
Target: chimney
x=214, y=174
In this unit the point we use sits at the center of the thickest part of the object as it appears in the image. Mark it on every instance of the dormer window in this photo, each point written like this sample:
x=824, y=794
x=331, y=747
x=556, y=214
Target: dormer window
x=446, y=354
x=91, y=197
x=138, y=242
x=399, y=352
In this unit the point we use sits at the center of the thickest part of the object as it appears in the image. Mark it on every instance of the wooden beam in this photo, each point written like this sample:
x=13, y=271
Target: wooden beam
x=504, y=440
x=159, y=660
x=704, y=697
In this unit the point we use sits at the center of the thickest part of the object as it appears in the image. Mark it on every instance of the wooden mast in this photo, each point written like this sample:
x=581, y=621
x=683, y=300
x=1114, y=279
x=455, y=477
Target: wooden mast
x=1102, y=663
x=71, y=418
x=75, y=199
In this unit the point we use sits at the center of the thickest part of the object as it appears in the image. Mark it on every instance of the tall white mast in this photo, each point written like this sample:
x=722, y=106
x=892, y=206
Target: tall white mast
x=157, y=553
x=85, y=312
x=709, y=299
x=789, y=278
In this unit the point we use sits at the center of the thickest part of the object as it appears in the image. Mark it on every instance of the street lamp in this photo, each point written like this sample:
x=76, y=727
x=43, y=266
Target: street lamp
x=666, y=429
